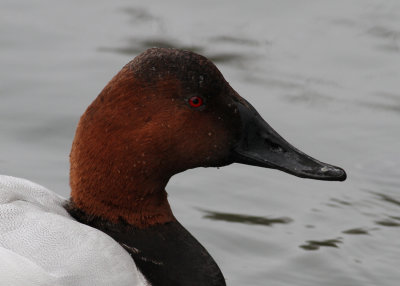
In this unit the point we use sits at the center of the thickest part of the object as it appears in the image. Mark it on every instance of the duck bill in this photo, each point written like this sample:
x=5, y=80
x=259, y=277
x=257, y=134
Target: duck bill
x=262, y=146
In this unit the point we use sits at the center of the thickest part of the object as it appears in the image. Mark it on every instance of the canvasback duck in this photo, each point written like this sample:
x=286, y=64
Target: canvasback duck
x=166, y=111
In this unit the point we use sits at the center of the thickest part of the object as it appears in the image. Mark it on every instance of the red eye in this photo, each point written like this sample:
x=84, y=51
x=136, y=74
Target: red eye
x=196, y=101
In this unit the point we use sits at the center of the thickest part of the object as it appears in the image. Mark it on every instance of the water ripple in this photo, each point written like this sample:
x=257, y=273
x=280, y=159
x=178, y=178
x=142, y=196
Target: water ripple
x=316, y=244
x=245, y=219
x=387, y=198
x=356, y=231
x=388, y=222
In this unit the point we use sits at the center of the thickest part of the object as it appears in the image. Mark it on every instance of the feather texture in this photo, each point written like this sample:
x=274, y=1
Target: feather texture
x=41, y=244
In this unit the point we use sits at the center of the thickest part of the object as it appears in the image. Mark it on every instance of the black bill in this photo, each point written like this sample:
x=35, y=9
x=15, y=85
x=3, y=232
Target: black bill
x=260, y=145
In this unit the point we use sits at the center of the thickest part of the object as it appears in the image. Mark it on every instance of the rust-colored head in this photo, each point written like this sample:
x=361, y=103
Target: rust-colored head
x=166, y=111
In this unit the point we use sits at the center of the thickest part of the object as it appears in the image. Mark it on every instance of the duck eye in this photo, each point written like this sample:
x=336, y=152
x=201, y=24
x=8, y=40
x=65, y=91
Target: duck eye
x=196, y=101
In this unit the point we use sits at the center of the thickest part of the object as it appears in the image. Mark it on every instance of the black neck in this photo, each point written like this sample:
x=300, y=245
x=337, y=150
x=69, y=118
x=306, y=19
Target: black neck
x=166, y=254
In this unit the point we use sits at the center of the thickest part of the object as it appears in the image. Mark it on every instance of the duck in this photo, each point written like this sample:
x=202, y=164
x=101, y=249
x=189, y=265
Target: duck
x=166, y=111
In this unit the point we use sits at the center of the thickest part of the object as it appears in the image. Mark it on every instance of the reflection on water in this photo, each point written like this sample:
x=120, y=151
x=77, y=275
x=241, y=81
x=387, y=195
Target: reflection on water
x=388, y=222
x=137, y=45
x=338, y=203
x=235, y=40
x=387, y=198
x=341, y=201
x=245, y=219
x=227, y=58
x=356, y=231
x=309, y=97
x=316, y=244
x=390, y=38
x=384, y=106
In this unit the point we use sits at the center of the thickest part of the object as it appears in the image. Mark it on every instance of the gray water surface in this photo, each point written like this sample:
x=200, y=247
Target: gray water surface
x=324, y=74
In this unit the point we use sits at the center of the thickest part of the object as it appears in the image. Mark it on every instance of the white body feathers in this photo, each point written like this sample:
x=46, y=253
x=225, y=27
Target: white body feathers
x=41, y=244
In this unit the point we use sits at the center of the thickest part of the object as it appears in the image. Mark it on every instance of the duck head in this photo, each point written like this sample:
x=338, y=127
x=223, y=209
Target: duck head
x=167, y=111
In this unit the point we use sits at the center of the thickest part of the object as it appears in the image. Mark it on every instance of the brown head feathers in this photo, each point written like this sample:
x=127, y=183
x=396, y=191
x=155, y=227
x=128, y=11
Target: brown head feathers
x=166, y=111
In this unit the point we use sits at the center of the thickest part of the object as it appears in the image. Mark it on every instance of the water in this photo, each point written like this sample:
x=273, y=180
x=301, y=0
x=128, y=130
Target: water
x=324, y=74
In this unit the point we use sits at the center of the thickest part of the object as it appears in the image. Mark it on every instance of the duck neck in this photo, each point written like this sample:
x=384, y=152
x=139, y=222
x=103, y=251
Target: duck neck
x=140, y=203
x=115, y=174
x=117, y=186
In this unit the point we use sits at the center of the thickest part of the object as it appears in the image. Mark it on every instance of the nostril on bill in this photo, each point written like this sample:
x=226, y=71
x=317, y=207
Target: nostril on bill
x=274, y=147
